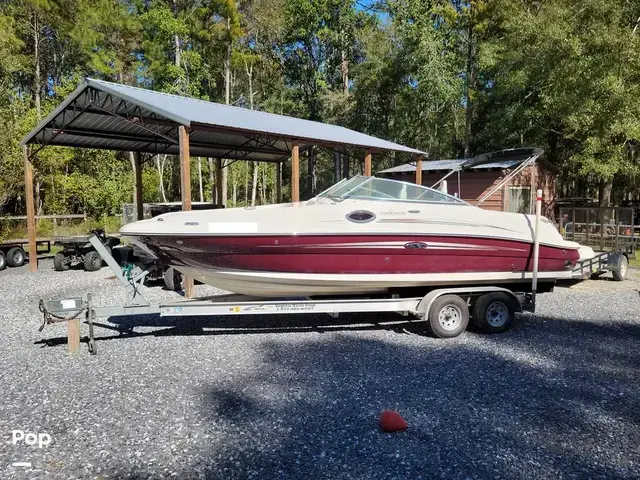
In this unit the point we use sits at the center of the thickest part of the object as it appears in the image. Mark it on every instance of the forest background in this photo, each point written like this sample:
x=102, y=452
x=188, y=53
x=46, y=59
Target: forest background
x=453, y=78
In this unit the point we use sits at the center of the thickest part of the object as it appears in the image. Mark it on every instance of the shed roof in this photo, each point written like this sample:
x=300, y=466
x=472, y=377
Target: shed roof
x=112, y=116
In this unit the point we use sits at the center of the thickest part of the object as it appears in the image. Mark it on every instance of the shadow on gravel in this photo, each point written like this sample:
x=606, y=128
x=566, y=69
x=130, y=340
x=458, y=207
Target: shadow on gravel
x=124, y=326
x=552, y=398
x=472, y=414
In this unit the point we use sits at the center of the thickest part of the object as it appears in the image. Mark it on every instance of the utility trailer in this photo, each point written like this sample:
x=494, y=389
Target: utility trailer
x=12, y=252
x=615, y=262
x=445, y=311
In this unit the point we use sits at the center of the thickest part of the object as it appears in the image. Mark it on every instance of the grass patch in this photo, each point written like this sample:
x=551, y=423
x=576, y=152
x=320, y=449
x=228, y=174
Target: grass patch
x=13, y=229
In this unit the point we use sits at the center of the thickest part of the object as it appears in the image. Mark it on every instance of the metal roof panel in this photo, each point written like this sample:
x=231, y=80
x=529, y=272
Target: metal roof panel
x=101, y=114
x=187, y=110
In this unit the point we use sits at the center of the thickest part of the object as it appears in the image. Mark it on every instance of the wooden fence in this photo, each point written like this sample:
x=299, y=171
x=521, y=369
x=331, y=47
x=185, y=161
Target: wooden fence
x=606, y=228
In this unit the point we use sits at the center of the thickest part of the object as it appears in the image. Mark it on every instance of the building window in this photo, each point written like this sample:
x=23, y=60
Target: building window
x=520, y=199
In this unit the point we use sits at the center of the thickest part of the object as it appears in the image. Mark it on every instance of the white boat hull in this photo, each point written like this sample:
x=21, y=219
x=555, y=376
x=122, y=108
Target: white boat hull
x=279, y=284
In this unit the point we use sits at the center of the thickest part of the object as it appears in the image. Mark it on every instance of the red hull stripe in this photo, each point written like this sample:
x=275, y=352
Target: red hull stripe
x=357, y=254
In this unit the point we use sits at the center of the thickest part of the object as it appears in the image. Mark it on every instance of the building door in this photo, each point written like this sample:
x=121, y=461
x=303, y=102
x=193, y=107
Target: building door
x=520, y=199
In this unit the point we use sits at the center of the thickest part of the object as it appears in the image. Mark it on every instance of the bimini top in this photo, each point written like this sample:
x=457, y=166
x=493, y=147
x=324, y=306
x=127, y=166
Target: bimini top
x=118, y=117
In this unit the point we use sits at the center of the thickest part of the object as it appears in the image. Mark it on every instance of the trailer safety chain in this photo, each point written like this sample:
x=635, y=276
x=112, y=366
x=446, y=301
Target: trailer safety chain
x=50, y=318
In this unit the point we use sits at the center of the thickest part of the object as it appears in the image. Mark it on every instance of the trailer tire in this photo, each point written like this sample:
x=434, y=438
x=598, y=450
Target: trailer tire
x=60, y=262
x=494, y=312
x=3, y=260
x=448, y=316
x=622, y=264
x=172, y=279
x=92, y=261
x=16, y=257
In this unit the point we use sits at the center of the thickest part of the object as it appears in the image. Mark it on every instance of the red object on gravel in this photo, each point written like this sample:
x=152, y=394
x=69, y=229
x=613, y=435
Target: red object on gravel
x=391, y=421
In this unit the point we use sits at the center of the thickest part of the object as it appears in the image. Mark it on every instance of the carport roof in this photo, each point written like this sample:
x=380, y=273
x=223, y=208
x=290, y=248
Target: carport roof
x=112, y=116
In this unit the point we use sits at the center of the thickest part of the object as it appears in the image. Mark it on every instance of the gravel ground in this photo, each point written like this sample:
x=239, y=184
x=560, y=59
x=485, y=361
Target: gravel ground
x=556, y=397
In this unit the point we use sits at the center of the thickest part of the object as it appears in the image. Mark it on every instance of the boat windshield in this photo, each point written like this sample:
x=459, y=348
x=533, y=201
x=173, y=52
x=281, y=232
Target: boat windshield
x=372, y=188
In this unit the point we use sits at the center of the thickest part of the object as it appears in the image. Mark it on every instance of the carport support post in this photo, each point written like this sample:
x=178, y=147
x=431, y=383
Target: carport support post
x=185, y=183
x=295, y=173
x=419, y=170
x=367, y=163
x=31, y=213
x=139, y=203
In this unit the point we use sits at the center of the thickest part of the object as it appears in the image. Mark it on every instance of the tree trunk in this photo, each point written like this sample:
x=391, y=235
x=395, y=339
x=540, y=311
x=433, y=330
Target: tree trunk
x=227, y=99
x=345, y=165
x=212, y=180
x=604, y=200
x=254, y=183
x=250, y=81
x=200, y=178
x=178, y=54
x=344, y=67
x=38, y=199
x=311, y=168
x=223, y=184
x=336, y=165
x=37, y=76
x=234, y=196
x=53, y=189
x=246, y=183
x=132, y=160
x=160, y=166
x=227, y=67
x=221, y=195
x=470, y=74
x=176, y=38
x=604, y=192
x=256, y=165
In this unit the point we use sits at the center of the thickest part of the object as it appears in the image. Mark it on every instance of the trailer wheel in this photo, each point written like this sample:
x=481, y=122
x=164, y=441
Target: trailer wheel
x=172, y=279
x=448, y=316
x=15, y=257
x=92, y=261
x=494, y=312
x=3, y=260
x=60, y=262
x=622, y=264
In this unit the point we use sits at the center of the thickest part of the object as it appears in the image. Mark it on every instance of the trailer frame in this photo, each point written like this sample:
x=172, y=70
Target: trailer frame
x=616, y=262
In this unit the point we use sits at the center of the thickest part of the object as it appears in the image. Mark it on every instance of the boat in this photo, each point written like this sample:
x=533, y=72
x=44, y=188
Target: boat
x=362, y=236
